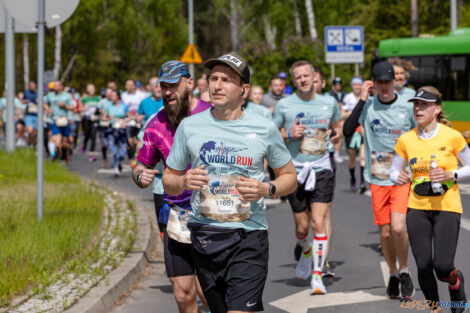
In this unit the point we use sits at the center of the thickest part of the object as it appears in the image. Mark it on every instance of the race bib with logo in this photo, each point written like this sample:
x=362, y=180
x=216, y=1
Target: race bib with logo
x=32, y=108
x=177, y=227
x=118, y=124
x=220, y=200
x=94, y=117
x=104, y=123
x=381, y=163
x=61, y=121
x=313, y=141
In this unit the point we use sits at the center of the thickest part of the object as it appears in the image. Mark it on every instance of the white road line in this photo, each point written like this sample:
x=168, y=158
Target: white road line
x=465, y=223
x=110, y=171
x=385, y=272
x=302, y=301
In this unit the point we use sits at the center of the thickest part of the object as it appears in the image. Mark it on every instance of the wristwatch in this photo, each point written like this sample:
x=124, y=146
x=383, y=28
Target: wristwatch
x=455, y=175
x=272, y=189
x=139, y=176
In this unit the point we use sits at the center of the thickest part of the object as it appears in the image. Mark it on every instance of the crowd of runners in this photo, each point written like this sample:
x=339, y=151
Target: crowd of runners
x=206, y=145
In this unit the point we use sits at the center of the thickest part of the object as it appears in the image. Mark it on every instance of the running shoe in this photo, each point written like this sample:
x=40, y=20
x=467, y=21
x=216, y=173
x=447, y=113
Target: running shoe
x=317, y=287
x=117, y=172
x=406, y=286
x=327, y=271
x=92, y=158
x=392, y=289
x=353, y=187
x=304, y=266
x=363, y=188
x=83, y=149
x=120, y=167
x=339, y=159
x=458, y=295
x=297, y=252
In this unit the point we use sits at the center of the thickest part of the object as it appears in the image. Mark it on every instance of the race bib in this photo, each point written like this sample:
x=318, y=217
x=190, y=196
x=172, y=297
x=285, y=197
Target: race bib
x=220, y=200
x=132, y=123
x=177, y=227
x=61, y=121
x=94, y=117
x=32, y=108
x=313, y=141
x=381, y=163
x=118, y=124
x=104, y=123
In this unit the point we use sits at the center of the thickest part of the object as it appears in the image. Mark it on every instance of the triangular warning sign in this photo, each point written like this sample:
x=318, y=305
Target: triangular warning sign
x=191, y=55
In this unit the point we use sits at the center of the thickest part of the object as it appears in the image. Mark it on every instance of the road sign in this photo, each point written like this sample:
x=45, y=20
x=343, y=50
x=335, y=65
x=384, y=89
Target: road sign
x=344, y=44
x=57, y=11
x=191, y=55
x=19, y=27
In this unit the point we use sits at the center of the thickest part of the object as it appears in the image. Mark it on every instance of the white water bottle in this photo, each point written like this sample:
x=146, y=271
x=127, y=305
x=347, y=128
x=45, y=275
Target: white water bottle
x=436, y=187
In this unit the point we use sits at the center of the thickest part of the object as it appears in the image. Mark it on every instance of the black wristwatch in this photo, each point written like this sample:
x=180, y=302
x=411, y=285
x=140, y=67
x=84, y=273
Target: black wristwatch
x=139, y=176
x=455, y=176
x=272, y=189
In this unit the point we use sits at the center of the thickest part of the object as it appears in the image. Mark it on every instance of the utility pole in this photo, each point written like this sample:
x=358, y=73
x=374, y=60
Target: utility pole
x=10, y=80
x=40, y=140
x=234, y=24
x=414, y=18
x=191, y=32
x=453, y=14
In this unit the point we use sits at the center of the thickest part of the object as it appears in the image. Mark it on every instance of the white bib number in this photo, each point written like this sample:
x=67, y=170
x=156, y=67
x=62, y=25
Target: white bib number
x=221, y=201
x=94, y=117
x=177, y=227
x=381, y=163
x=118, y=124
x=61, y=121
x=32, y=108
x=104, y=123
x=313, y=141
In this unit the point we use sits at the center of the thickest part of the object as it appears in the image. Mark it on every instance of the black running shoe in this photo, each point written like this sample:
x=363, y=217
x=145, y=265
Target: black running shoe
x=406, y=286
x=297, y=252
x=458, y=295
x=392, y=289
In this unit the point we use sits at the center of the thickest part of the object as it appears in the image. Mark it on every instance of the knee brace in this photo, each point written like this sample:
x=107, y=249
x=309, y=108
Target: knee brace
x=452, y=278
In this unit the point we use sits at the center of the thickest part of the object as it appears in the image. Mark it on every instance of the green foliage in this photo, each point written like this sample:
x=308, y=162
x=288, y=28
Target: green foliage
x=31, y=251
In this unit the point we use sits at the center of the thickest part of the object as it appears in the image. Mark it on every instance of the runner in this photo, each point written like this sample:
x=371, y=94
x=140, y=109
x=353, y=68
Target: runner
x=338, y=93
x=384, y=118
x=60, y=103
x=31, y=117
x=256, y=93
x=434, y=206
x=89, y=104
x=355, y=142
x=177, y=86
x=153, y=103
x=117, y=113
x=402, y=69
x=275, y=93
x=104, y=126
x=226, y=149
x=305, y=119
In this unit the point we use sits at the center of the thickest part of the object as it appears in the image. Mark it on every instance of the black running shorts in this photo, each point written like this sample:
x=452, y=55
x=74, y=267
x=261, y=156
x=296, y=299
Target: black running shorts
x=234, y=278
x=179, y=258
x=323, y=192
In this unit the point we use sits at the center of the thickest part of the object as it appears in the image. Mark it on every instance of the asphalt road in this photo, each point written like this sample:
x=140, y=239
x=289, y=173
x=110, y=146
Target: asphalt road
x=359, y=284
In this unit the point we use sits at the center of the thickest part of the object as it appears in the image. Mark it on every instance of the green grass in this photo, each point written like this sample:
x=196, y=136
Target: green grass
x=32, y=251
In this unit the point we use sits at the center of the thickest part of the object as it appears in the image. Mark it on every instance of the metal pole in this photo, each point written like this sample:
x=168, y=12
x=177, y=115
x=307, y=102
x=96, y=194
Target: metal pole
x=191, y=32
x=332, y=67
x=10, y=80
x=453, y=14
x=356, y=69
x=234, y=24
x=40, y=144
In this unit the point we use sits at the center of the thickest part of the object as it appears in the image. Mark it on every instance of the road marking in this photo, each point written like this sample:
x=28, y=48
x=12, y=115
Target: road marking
x=465, y=223
x=110, y=171
x=302, y=301
x=385, y=272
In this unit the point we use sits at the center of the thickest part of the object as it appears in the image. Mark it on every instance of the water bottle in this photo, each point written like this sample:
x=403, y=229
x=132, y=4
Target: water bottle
x=436, y=187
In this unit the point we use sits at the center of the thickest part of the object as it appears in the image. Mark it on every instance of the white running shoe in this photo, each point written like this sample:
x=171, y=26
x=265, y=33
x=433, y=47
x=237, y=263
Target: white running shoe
x=304, y=266
x=317, y=287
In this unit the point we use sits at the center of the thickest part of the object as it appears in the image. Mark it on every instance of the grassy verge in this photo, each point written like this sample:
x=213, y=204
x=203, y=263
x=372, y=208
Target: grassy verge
x=31, y=251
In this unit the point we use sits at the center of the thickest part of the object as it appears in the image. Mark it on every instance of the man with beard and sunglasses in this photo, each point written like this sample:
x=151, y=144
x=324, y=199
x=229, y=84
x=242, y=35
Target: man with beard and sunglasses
x=178, y=102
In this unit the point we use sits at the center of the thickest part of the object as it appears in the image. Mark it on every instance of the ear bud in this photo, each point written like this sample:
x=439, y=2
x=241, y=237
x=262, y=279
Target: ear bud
x=242, y=93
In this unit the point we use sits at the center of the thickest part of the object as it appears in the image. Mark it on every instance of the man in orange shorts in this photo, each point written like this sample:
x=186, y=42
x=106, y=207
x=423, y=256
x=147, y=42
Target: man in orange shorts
x=383, y=118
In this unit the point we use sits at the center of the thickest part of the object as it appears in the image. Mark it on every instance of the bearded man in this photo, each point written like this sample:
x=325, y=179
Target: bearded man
x=178, y=102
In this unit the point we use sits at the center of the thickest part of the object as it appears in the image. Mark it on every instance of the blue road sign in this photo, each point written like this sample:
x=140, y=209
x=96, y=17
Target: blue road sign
x=344, y=44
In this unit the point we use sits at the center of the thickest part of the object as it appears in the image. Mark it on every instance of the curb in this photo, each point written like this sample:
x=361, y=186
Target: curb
x=101, y=298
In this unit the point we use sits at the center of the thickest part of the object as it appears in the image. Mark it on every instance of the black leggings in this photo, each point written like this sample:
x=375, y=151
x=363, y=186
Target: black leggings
x=428, y=231
x=90, y=129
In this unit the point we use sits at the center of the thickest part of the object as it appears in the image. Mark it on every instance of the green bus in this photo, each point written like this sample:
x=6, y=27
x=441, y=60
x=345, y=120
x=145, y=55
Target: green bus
x=442, y=62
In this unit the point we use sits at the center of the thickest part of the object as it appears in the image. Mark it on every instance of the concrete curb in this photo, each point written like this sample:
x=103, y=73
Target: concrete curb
x=101, y=298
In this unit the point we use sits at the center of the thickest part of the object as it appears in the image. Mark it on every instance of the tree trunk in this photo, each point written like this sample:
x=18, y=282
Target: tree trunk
x=234, y=23
x=414, y=18
x=57, y=51
x=311, y=19
x=270, y=33
x=26, y=60
x=298, y=25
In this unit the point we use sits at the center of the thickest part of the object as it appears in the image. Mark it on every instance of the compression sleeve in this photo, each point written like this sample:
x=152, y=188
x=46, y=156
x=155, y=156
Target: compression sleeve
x=398, y=165
x=352, y=122
x=464, y=158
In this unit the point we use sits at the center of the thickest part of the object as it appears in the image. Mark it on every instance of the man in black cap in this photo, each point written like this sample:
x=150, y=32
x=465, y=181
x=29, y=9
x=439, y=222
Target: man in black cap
x=384, y=118
x=226, y=148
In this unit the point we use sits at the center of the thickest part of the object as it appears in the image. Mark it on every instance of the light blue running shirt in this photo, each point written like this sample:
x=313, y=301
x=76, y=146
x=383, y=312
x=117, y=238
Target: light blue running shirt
x=53, y=100
x=316, y=115
x=258, y=109
x=407, y=93
x=383, y=125
x=227, y=149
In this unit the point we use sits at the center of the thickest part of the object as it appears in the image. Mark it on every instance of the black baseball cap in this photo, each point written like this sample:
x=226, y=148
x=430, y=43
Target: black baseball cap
x=235, y=61
x=383, y=71
x=337, y=80
x=425, y=96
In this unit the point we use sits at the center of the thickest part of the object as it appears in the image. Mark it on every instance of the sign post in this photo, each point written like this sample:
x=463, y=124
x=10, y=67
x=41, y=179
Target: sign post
x=345, y=45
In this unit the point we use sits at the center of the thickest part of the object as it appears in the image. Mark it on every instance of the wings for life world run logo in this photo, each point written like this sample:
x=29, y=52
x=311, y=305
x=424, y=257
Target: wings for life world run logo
x=211, y=153
x=420, y=166
x=310, y=120
x=378, y=127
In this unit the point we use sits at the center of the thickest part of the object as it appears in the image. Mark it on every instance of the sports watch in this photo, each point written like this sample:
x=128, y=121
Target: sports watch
x=272, y=189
